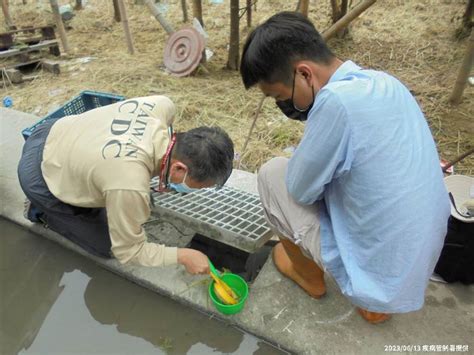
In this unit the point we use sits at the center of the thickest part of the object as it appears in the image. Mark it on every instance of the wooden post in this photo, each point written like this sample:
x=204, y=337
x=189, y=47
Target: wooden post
x=6, y=13
x=60, y=25
x=303, y=6
x=78, y=5
x=468, y=17
x=126, y=29
x=345, y=20
x=233, y=60
x=50, y=66
x=464, y=71
x=249, y=13
x=185, y=10
x=117, y=11
x=14, y=75
x=197, y=11
x=154, y=10
x=337, y=13
x=48, y=33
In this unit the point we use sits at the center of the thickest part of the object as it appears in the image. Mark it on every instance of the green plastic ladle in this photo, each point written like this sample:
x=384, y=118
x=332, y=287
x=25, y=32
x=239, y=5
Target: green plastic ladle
x=217, y=278
x=214, y=270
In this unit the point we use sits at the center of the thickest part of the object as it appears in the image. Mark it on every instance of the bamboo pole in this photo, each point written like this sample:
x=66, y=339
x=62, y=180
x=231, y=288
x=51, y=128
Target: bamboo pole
x=197, y=11
x=159, y=17
x=233, y=59
x=6, y=13
x=185, y=10
x=60, y=25
x=347, y=19
x=464, y=71
x=257, y=112
x=126, y=28
x=457, y=160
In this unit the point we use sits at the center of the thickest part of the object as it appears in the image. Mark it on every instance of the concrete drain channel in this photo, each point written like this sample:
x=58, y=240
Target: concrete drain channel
x=228, y=226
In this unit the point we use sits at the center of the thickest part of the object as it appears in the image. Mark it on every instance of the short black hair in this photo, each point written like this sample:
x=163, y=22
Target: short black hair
x=272, y=47
x=208, y=153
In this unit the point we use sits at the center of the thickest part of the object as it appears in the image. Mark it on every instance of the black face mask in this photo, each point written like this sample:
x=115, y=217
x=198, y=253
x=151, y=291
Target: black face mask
x=290, y=110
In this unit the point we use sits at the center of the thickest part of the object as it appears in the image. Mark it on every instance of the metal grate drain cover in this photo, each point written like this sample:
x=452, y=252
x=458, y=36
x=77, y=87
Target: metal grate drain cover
x=228, y=215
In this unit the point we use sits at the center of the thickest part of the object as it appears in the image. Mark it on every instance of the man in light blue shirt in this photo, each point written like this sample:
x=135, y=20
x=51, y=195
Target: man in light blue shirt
x=362, y=197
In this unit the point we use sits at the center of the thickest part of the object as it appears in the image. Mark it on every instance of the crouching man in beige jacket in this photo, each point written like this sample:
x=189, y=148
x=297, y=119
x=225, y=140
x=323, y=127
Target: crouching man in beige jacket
x=87, y=176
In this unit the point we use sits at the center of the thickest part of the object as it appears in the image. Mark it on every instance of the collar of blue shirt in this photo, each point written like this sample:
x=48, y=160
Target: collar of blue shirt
x=346, y=67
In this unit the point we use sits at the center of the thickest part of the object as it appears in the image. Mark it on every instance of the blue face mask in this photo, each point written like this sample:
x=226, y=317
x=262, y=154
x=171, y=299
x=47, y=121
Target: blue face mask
x=183, y=187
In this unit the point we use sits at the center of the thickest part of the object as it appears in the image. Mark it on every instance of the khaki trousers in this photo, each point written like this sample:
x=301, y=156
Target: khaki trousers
x=288, y=219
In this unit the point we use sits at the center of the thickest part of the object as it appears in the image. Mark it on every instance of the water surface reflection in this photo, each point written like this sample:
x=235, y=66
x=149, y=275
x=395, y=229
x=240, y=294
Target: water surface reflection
x=54, y=301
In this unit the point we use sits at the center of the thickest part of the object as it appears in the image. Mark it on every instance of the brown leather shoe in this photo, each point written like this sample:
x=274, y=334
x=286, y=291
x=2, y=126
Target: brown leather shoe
x=300, y=269
x=373, y=317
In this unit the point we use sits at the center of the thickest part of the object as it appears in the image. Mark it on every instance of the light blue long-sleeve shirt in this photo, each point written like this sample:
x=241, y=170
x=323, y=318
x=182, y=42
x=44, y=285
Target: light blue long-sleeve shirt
x=368, y=158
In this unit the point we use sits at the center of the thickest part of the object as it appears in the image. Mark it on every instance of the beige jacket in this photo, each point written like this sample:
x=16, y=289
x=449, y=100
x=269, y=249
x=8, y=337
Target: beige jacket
x=106, y=158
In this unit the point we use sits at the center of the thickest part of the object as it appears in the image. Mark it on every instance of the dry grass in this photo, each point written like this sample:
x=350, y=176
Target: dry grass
x=413, y=40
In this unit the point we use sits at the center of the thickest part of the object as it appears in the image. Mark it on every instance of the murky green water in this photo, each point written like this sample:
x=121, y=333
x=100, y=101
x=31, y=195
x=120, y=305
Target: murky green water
x=53, y=301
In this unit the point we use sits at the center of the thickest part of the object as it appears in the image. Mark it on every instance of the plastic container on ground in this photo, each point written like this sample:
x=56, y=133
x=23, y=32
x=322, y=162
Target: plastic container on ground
x=7, y=101
x=85, y=101
x=238, y=285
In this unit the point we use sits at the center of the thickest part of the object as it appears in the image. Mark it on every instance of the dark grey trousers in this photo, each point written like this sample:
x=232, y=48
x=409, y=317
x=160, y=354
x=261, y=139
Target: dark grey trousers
x=86, y=227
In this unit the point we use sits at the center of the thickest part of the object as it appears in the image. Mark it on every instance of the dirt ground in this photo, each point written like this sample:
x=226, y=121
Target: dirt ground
x=411, y=39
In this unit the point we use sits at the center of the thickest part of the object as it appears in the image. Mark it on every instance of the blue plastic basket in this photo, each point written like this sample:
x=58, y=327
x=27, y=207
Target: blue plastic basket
x=85, y=101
